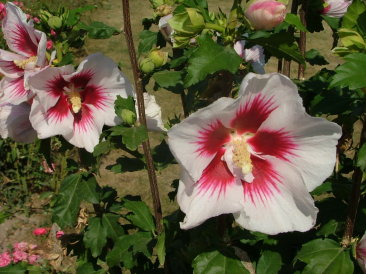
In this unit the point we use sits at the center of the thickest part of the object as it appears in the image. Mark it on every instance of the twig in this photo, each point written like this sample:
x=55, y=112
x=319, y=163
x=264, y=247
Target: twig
x=355, y=196
x=141, y=110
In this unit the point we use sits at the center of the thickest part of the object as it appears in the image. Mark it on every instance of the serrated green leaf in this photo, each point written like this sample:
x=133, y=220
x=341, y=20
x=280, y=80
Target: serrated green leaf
x=294, y=20
x=209, y=58
x=325, y=256
x=361, y=158
x=160, y=248
x=351, y=73
x=95, y=238
x=88, y=189
x=328, y=228
x=124, y=103
x=133, y=137
x=269, y=262
x=148, y=40
x=332, y=21
x=140, y=215
x=112, y=226
x=102, y=148
x=98, y=30
x=217, y=263
x=349, y=20
x=167, y=79
x=68, y=201
x=88, y=268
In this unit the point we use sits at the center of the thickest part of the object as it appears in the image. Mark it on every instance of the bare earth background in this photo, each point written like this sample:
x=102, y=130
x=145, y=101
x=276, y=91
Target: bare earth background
x=19, y=228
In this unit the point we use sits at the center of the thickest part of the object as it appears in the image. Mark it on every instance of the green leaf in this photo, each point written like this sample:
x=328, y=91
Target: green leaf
x=126, y=247
x=167, y=78
x=88, y=189
x=102, y=148
x=313, y=57
x=140, y=215
x=132, y=137
x=332, y=21
x=88, y=268
x=160, y=248
x=124, y=103
x=325, y=256
x=294, y=20
x=74, y=15
x=98, y=30
x=13, y=269
x=354, y=11
x=361, y=158
x=269, y=262
x=280, y=45
x=95, y=237
x=217, y=263
x=148, y=40
x=210, y=58
x=112, y=226
x=329, y=228
x=68, y=201
x=351, y=73
x=162, y=155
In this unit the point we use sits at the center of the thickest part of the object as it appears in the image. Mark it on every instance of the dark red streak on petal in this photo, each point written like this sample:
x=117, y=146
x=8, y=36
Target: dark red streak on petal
x=23, y=42
x=95, y=96
x=59, y=111
x=56, y=86
x=265, y=181
x=17, y=87
x=277, y=143
x=252, y=114
x=212, y=138
x=10, y=67
x=216, y=176
x=83, y=120
x=81, y=79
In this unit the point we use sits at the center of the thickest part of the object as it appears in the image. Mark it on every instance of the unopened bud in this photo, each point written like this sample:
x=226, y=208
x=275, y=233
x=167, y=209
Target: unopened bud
x=158, y=57
x=265, y=14
x=147, y=65
x=163, y=10
x=128, y=117
x=54, y=22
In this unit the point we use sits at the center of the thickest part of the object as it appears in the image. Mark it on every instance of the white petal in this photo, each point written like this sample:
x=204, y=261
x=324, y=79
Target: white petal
x=7, y=65
x=14, y=91
x=153, y=113
x=14, y=123
x=287, y=207
x=184, y=137
x=200, y=206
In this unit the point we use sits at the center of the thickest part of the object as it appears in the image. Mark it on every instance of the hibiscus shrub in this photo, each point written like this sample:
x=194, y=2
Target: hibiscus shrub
x=271, y=169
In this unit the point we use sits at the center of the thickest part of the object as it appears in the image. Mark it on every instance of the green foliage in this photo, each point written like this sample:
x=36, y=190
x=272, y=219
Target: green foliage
x=95, y=236
x=209, y=58
x=361, y=158
x=269, y=262
x=217, y=262
x=140, y=215
x=98, y=30
x=294, y=20
x=325, y=256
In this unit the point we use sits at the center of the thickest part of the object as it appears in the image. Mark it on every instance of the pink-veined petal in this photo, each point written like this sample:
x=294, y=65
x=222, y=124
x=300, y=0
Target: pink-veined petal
x=200, y=205
x=7, y=65
x=196, y=140
x=57, y=120
x=88, y=126
x=49, y=84
x=15, y=124
x=42, y=48
x=19, y=34
x=14, y=91
x=277, y=200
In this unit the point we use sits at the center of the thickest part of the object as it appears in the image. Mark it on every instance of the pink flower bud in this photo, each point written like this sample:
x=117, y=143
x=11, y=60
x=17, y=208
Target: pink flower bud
x=19, y=256
x=5, y=259
x=336, y=8
x=53, y=33
x=36, y=20
x=59, y=234
x=265, y=14
x=40, y=231
x=49, y=45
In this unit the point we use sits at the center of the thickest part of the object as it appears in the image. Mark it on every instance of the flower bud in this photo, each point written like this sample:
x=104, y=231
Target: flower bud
x=54, y=22
x=128, y=117
x=163, y=10
x=265, y=14
x=336, y=8
x=158, y=57
x=146, y=65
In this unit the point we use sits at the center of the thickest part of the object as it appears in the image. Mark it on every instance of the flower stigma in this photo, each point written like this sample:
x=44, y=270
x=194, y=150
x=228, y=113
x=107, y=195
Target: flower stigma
x=26, y=63
x=74, y=98
x=241, y=156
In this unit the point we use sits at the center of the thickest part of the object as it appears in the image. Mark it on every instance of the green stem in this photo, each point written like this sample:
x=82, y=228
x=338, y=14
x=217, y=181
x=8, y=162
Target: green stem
x=214, y=27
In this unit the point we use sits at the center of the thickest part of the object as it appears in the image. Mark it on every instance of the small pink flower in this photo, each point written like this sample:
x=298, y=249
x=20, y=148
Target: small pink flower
x=265, y=14
x=49, y=44
x=32, y=259
x=5, y=259
x=2, y=11
x=19, y=256
x=22, y=246
x=336, y=8
x=59, y=234
x=36, y=20
x=53, y=33
x=40, y=231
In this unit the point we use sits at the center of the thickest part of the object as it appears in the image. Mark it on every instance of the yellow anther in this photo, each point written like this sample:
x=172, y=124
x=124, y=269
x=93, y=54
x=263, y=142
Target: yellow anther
x=23, y=63
x=75, y=100
x=241, y=155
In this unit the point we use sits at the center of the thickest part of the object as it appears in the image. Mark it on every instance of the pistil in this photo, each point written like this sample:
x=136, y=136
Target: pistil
x=241, y=155
x=24, y=64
